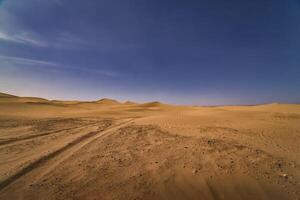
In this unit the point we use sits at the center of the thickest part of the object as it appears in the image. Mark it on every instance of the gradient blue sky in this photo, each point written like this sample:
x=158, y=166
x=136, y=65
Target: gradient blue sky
x=185, y=52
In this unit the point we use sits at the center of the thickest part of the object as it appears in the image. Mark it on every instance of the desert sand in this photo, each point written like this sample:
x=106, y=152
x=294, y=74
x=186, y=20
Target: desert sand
x=111, y=150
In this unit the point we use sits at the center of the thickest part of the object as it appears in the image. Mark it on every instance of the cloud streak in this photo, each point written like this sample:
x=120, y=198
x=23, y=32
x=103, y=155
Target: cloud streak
x=24, y=38
x=28, y=62
x=62, y=40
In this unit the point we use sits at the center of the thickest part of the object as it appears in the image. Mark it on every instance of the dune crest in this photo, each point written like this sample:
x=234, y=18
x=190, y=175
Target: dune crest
x=3, y=95
x=11, y=98
x=107, y=101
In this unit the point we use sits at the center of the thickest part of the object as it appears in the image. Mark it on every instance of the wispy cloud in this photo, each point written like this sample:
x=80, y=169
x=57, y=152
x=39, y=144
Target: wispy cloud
x=62, y=40
x=69, y=40
x=24, y=38
x=29, y=62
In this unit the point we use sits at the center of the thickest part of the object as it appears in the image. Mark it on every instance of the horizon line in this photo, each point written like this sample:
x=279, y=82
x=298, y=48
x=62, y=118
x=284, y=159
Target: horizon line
x=139, y=102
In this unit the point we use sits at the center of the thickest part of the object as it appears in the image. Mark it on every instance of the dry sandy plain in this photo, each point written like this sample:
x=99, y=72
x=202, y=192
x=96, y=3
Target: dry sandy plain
x=109, y=150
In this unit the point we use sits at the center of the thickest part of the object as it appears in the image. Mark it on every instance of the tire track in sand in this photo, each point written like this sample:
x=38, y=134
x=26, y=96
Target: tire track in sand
x=71, y=147
x=12, y=140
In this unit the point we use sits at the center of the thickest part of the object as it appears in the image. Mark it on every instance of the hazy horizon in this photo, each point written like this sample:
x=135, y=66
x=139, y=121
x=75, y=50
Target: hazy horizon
x=129, y=100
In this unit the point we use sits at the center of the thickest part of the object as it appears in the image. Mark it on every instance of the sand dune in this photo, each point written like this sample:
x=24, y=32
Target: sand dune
x=3, y=95
x=11, y=98
x=111, y=150
x=106, y=101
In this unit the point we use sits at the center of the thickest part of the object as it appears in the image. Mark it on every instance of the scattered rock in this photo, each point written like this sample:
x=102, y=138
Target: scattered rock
x=285, y=176
x=258, y=151
x=279, y=165
x=210, y=142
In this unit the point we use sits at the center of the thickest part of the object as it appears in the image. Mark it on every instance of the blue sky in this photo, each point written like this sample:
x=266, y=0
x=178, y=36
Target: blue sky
x=184, y=52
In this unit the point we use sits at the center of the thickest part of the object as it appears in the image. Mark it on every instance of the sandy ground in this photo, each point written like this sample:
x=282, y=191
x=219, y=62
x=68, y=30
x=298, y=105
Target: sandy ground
x=110, y=150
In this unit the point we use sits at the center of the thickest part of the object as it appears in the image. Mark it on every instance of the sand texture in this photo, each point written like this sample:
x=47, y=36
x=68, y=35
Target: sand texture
x=106, y=150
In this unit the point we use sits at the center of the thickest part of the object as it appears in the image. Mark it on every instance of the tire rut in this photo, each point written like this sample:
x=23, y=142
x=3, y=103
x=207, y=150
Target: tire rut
x=39, y=162
x=12, y=140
